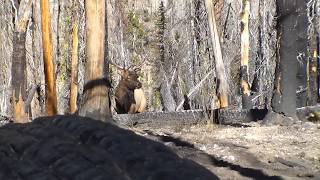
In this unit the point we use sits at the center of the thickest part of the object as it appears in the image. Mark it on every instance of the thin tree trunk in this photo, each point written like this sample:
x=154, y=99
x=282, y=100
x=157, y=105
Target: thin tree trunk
x=49, y=69
x=245, y=45
x=106, y=41
x=314, y=18
x=318, y=66
x=221, y=73
x=74, y=64
x=318, y=47
x=312, y=73
x=96, y=102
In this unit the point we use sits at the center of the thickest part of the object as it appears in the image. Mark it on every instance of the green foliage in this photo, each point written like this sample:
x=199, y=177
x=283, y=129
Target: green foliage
x=135, y=27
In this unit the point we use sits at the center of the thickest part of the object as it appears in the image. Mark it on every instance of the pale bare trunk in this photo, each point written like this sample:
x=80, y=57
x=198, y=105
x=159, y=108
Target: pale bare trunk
x=220, y=69
x=95, y=102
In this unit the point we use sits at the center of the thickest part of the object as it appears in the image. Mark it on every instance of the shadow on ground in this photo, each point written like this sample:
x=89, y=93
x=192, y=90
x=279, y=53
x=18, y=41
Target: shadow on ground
x=188, y=150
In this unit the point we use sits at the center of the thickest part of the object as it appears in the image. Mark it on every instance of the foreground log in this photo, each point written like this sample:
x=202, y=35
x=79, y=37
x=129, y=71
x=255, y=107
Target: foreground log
x=72, y=147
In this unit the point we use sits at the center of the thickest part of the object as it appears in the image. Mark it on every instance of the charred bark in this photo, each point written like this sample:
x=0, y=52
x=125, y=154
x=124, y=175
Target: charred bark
x=313, y=73
x=245, y=45
x=318, y=67
x=19, y=80
x=19, y=67
x=290, y=77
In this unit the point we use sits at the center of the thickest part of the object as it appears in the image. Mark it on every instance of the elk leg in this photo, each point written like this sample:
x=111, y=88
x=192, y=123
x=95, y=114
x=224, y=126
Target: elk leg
x=132, y=109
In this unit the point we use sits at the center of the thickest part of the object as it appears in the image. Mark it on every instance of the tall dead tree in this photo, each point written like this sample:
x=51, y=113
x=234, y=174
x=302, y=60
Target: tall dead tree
x=220, y=69
x=167, y=100
x=245, y=45
x=292, y=32
x=95, y=101
x=74, y=61
x=49, y=69
x=313, y=19
x=18, y=70
x=317, y=24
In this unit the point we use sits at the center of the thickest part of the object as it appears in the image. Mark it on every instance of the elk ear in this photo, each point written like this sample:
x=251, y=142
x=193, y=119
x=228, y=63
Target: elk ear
x=123, y=73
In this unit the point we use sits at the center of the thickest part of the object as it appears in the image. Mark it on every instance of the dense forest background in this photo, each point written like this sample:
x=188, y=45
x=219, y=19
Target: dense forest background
x=171, y=41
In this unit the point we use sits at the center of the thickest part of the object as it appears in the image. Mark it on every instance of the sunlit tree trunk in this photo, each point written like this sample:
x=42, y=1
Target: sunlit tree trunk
x=49, y=69
x=74, y=63
x=95, y=102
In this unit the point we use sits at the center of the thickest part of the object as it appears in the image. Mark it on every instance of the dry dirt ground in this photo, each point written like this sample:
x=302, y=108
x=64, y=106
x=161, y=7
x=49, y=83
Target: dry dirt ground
x=248, y=151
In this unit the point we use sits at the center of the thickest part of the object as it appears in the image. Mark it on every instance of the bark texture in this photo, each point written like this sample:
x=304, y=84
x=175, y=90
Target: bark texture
x=48, y=58
x=291, y=77
x=220, y=69
x=74, y=62
x=245, y=45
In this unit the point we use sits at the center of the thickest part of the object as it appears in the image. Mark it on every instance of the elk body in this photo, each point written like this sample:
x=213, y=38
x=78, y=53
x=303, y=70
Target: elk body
x=129, y=96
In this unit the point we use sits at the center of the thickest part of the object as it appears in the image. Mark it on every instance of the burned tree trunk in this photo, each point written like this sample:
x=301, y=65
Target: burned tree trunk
x=292, y=29
x=49, y=69
x=18, y=69
x=318, y=47
x=313, y=51
x=245, y=45
x=19, y=81
x=95, y=102
x=313, y=72
x=220, y=70
x=318, y=66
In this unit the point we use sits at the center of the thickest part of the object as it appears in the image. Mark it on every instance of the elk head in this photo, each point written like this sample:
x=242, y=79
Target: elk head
x=130, y=78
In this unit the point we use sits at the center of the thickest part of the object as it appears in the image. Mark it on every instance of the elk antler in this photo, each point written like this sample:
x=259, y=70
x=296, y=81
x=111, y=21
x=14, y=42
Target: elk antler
x=116, y=65
x=137, y=67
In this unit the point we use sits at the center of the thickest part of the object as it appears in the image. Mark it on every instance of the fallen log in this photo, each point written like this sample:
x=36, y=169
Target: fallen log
x=192, y=117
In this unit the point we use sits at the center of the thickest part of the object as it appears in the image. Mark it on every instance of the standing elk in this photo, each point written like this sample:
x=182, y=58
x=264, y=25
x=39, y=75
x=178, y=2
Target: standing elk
x=129, y=96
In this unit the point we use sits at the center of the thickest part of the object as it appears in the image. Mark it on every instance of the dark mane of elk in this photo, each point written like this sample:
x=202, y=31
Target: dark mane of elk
x=129, y=96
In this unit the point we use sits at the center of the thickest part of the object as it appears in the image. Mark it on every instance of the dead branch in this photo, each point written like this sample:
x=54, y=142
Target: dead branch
x=23, y=15
x=195, y=88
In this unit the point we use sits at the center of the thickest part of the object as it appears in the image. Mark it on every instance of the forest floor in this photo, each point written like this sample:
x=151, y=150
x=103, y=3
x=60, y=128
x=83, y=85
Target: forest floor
x=248, y=151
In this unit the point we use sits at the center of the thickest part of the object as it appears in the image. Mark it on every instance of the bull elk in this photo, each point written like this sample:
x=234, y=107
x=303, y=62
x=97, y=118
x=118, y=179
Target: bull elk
x=129, y=96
